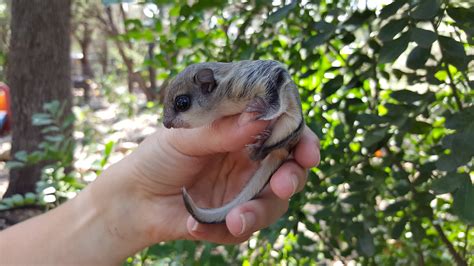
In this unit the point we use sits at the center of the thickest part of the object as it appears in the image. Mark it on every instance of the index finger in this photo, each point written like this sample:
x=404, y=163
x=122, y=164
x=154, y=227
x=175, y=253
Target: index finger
x=223, y=135
x=307, y=150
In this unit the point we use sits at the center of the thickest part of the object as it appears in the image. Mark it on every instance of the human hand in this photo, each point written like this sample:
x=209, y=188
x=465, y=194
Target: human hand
x=213, y=165
x=137, y=201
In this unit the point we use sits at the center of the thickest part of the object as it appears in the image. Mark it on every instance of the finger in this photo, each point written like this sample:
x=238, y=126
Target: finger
x=288, y=179
x=255, y=214
x=217, y=233
x=306, y=152
x=224, y=135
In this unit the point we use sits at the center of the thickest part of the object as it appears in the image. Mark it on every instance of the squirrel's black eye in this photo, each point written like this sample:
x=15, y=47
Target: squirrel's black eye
x=182, y=103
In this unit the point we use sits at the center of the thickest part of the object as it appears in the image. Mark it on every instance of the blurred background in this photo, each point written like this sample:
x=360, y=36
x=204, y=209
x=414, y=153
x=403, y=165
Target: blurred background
x=387, y=86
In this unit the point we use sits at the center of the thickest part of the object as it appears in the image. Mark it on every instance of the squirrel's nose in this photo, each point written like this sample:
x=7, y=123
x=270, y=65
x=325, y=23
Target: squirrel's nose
x=168, y=123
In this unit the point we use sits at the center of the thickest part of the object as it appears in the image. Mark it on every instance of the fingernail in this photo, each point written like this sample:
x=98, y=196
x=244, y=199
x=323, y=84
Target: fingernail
x=193, y=224
x=245, y=118
x=294, y=183
x=248, y=220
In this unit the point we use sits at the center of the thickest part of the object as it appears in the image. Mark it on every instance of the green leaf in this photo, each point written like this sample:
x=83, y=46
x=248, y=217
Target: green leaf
x=463, y=201
x=449, y=162
x=365, y=244
x=424, y=38
x=406, y=96
x=8, y=201
x=108, y=148
x=417, y=231
x=392, y=28
x=35, y=157
x=461, y=15
x=453, y=52
x=426, y=9
x=50, y=129
x=393, y=49
x=17, y=200
x=398, y=228
x=281, y=13
x=460, y=120
x=52, y=107
x=461, y=144
x=448, y=183
x=55, y=138
x=419, y=127
x=317, y=40
x=308, y=73
x=332, y=86
x=370, y=119
x=30, y=198
x=396, y=206
x=418, y=57
x=402, y=187
x=174, y=11
x=423, y=198
x=359, y=18
x=14, y=164
x=374, y=136
x=158, y=26
x=324, y=26
x=133, y=23
x=21, y=156
x=41, y=119
x=392, y=8
x=323, y=214
x=183, y=40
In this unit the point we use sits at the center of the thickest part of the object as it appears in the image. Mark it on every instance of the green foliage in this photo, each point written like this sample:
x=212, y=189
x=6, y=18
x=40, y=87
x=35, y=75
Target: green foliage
x=18, y=200
x=58, y=182
x=387, y=91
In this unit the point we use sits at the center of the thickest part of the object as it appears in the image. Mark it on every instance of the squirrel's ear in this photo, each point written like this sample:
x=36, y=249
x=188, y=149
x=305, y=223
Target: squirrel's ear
x=205, y=79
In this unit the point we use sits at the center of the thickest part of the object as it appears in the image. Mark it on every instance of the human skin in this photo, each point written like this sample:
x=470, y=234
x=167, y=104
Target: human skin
x=137, y=201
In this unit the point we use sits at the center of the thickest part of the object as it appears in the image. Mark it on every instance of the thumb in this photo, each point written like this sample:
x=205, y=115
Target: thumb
x=223, y=135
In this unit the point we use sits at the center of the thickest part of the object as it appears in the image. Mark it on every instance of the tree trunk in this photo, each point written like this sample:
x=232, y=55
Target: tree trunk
x=104, y=57
x=85, y=42
x=38, y=72
x=87, y=73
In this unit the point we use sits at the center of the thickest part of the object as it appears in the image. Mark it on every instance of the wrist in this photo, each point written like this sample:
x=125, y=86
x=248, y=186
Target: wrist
x=134, y=210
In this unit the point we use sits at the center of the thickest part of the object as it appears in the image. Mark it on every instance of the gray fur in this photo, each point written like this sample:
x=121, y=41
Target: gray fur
x=261, y=86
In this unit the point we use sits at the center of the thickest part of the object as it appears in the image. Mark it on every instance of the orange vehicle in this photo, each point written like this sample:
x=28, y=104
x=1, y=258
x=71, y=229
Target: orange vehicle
x=5, y=114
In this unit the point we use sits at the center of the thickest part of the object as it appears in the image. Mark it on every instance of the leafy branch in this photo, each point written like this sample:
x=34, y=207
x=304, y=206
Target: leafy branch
x=456, y=256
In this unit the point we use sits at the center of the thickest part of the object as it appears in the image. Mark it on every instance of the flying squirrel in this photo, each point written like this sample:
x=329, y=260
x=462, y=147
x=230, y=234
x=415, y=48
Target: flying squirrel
x=204, y=92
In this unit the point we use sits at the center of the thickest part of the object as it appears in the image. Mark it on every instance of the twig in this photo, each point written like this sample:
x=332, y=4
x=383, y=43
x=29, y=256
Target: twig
x=332, y=251
x=457, y=258
x=421, y=258
x=463, y=73
x=453, y=87
x=451, y=80
x=466, y=241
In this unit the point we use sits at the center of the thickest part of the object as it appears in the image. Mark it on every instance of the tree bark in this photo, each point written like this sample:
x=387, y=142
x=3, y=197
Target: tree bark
x=104, y=57
x=38, y=72
x=85, y=42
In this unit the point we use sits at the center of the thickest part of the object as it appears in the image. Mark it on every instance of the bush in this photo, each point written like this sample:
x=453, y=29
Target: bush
x=386, y=88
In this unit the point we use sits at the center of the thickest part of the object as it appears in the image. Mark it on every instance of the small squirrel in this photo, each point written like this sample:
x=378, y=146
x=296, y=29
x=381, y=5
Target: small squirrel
x=204, y=92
